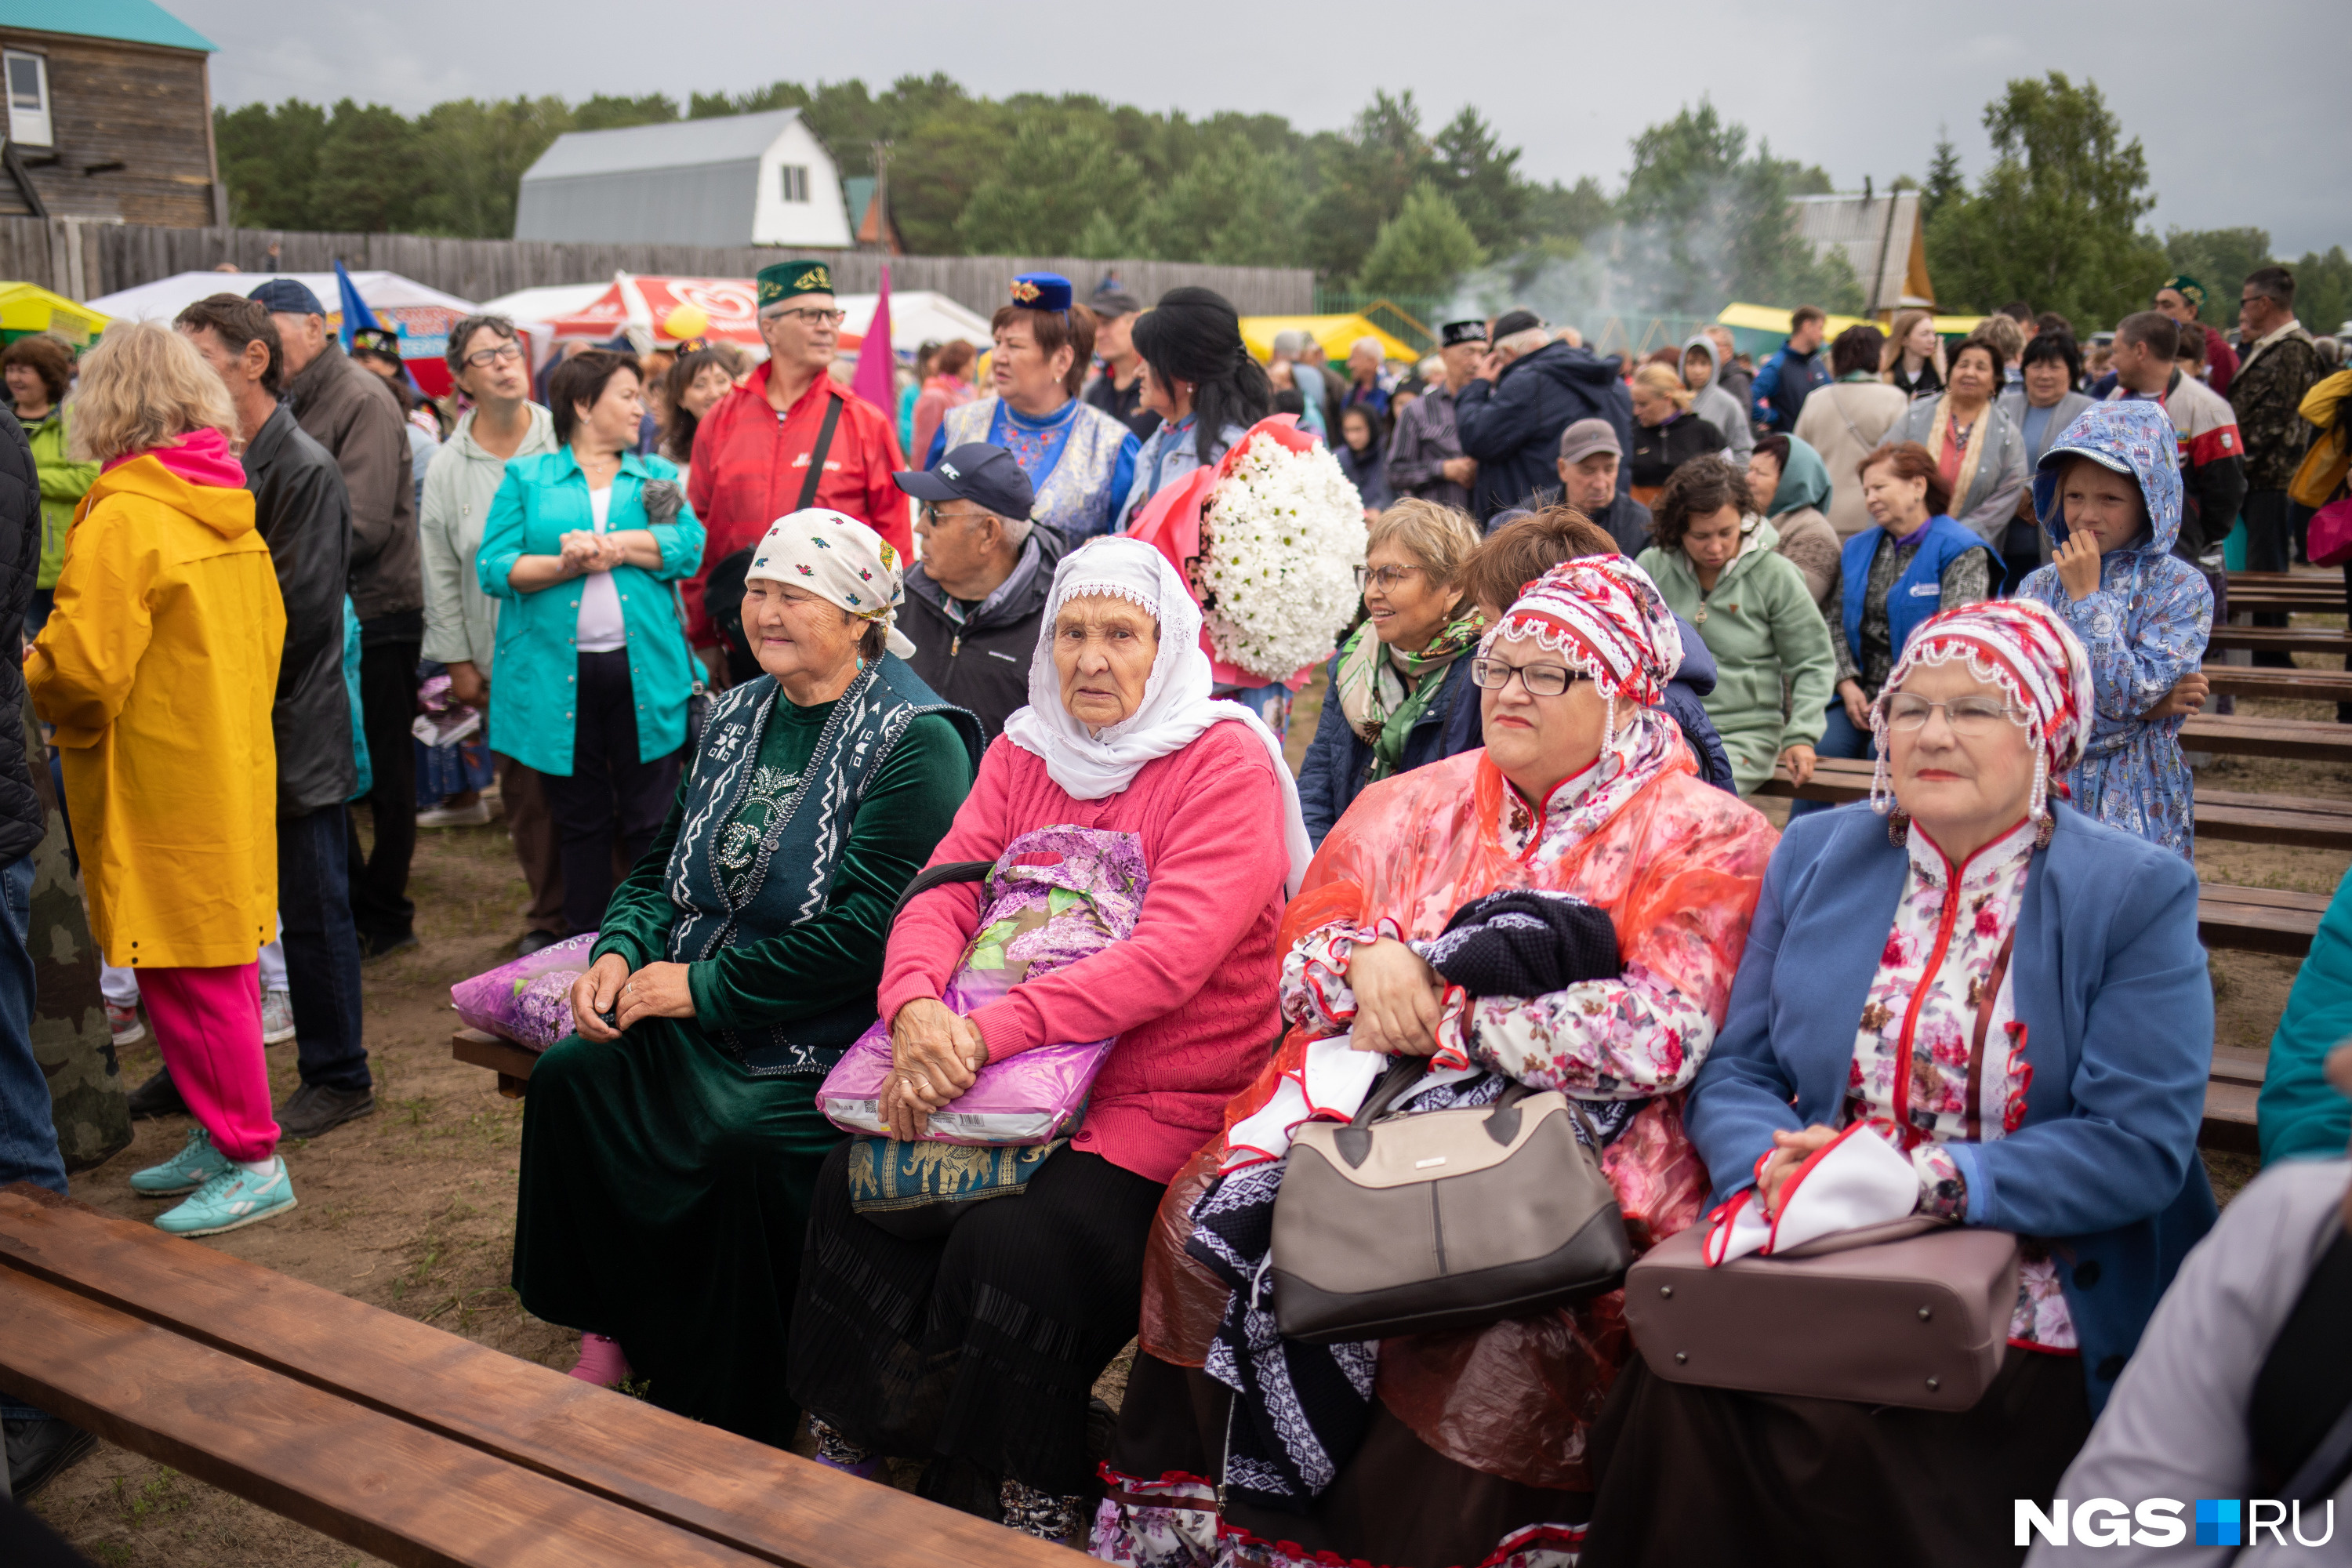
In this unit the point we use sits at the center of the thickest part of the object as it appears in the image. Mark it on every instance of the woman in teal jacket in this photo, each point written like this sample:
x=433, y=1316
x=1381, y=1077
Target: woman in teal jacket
x=594, y=672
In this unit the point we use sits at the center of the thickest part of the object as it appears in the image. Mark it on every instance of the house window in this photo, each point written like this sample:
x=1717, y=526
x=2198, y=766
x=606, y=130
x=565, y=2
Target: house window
x=795, y=181
x=29, y=99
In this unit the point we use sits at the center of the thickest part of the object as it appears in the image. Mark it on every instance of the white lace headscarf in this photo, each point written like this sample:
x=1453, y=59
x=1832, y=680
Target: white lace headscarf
x=1176, y=708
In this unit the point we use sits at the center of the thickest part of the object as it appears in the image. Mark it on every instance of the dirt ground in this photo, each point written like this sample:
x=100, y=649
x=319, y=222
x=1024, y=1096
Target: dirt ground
x=413, y=1209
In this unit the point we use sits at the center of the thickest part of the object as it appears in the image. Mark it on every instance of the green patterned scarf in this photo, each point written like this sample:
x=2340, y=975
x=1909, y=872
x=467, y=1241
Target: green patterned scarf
x=1371, y=691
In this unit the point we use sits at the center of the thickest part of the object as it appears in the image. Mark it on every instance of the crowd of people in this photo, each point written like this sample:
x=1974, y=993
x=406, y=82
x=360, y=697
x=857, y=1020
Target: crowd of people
x=773, y=676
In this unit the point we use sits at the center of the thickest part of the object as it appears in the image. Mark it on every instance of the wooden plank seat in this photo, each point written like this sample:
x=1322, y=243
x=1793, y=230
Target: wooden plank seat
x=414, y=1445
x=512, y=1062
x=2327, y=641
x=2230, y=1095
x=2246, y=736
x=2286, y=601
x=2295, y=685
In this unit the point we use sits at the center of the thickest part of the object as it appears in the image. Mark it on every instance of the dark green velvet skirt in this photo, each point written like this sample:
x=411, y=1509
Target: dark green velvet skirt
x=665, y=1200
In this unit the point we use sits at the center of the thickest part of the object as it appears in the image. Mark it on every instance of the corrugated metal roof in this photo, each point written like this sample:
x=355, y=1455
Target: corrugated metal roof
x=709, y=204
x=679, y=144
x=134, y=21
x=1874, y=233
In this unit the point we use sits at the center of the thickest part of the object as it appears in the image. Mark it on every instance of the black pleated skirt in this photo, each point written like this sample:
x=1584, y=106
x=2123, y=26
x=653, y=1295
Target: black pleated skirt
x=982, y=1347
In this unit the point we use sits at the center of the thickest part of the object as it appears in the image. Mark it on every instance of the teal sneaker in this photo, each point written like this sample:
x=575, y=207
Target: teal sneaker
x=233, y=1198
x=196, y=1162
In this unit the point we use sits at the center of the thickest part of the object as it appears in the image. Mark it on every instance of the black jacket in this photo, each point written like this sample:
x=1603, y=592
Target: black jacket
x=981, y=661
x=1512, y=425
x=22, y=820
x=303, y=513
x=1659, y=449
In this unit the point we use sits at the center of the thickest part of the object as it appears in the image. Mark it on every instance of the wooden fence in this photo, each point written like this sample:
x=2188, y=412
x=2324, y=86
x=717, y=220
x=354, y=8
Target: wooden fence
x=84, y=259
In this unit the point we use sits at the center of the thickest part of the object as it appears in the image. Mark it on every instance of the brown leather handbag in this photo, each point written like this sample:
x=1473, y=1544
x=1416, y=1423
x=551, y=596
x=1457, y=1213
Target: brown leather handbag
x=1915, y=1313
x=1402, y=1225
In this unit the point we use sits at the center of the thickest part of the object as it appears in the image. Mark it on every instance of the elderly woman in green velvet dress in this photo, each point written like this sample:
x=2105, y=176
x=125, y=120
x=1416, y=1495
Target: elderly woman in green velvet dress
x=671, y=1145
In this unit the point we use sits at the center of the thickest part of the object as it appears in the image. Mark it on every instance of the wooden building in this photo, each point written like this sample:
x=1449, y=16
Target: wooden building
x=110, y=114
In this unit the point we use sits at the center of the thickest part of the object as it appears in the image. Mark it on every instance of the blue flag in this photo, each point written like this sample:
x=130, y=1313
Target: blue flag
x=355, y=311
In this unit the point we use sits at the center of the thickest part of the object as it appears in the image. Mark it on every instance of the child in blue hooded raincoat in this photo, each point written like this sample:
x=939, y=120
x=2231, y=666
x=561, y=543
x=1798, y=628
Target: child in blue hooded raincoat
x=2144, y=627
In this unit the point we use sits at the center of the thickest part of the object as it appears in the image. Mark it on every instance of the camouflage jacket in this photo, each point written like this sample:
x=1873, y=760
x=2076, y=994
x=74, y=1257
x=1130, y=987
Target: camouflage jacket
x=2266, y=392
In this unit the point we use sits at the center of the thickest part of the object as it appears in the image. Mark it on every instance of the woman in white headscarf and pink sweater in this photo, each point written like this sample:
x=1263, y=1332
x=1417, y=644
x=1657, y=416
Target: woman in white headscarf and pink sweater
x=983, y=1346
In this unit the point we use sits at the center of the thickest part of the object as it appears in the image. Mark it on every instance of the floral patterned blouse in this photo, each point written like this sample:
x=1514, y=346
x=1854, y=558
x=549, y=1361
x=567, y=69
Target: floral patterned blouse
x=1939, y=1053
x=1628, y=1038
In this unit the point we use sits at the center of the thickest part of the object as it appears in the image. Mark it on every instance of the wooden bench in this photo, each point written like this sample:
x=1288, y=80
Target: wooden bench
x=2294, y=685
x=2246, y=736
x=2230, y=1095
x=2327, y=641
x=398, y=1439
x=2231, y=815
x=512, y=1062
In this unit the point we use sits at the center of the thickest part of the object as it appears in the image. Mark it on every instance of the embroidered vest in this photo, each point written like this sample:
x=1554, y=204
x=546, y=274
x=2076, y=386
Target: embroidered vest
x=1076, y=496
x=790, y=868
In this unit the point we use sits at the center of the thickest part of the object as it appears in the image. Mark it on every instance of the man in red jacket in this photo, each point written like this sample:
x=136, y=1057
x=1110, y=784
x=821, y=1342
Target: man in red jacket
x=753, y=451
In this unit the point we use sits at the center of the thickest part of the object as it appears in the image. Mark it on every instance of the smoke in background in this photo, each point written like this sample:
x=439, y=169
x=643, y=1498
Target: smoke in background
x=1702, y=222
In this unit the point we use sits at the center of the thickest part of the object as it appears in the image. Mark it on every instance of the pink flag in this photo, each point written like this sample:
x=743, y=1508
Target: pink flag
x=874, y=381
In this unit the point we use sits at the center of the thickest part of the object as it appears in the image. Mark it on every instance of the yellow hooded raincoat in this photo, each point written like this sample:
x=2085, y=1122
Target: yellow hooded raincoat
x=158, y=670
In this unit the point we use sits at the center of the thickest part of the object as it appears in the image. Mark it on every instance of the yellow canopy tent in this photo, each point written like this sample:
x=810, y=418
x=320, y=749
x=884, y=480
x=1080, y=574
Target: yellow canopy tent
x=27, y=307
x=1774, y=319
x=1335, y=334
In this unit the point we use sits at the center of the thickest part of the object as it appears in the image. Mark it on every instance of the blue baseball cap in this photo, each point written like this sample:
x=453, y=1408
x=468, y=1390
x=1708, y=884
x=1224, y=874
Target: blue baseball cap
x=986, y=476
x=284, y=296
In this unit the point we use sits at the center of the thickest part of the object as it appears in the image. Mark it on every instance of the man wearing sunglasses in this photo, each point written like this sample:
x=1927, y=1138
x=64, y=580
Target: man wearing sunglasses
x=976, y=602
x=790, y=439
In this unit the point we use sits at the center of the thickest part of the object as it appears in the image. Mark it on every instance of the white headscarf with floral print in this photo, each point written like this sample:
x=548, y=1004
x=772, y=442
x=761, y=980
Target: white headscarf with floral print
x=838, y=559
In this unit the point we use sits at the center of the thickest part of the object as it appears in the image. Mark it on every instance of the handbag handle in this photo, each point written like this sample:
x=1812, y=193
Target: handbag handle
x=1354, y=1141
x=930, y=877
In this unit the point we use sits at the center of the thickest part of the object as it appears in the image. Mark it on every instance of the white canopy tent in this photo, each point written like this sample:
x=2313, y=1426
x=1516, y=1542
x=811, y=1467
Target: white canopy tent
x=421, y=316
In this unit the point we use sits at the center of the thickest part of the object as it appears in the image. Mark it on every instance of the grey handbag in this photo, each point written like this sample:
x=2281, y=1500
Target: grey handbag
x=1892, y=1314
x=1401, y=1224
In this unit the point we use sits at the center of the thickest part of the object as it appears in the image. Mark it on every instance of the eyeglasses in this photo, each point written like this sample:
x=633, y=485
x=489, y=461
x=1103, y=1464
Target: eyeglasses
x=482, y=359
x=1386, y=578
x=1972, y=717
x=934, y=516
x=813, y=316
x=1540, y=679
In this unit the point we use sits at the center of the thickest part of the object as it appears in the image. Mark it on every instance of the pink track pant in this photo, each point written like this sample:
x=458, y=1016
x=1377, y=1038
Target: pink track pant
x=208, y=1027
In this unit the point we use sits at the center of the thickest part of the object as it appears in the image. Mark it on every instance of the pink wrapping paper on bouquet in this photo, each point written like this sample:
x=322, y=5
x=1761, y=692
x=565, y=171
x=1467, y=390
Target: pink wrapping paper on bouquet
x=1056, y=895
x=527, y=1001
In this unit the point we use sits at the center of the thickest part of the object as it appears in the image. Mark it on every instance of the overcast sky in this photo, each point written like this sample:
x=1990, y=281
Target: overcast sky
x=1848, y=84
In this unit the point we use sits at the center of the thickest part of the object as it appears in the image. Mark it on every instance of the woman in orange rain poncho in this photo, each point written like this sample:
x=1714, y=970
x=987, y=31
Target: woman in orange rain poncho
x=1446, y=1450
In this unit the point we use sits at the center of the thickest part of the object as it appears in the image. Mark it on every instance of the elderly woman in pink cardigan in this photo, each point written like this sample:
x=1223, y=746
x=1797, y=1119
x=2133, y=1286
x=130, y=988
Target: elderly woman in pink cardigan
x=977, y=1351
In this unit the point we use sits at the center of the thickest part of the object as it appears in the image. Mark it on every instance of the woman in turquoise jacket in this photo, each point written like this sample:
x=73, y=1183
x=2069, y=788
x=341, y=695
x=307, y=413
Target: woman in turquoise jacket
x=594, y=675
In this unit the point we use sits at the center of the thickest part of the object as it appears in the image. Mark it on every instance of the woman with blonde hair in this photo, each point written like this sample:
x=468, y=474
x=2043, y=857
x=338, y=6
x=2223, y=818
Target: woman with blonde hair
x=1666, y=433
x=158, y=669
x=1397, y=677
x=1912, y=362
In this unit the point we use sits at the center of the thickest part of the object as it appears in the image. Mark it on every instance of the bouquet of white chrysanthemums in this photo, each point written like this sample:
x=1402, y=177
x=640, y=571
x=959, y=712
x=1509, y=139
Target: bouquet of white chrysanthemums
x=1281, y=537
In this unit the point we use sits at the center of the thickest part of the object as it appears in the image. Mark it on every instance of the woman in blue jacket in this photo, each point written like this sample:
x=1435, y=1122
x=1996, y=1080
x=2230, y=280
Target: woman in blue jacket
x=1914, y=563
x=583, y=543
x=2012, y=996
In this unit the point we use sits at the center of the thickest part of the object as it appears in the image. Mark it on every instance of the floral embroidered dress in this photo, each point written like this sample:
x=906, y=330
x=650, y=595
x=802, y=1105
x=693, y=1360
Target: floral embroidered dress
x=1939, y=1054
x=2144, y=627
x=1678, y=866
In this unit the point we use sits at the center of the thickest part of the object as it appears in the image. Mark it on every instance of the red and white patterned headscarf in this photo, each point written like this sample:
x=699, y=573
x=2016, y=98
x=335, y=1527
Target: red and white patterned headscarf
x=2023, y=648
x=1608, y=617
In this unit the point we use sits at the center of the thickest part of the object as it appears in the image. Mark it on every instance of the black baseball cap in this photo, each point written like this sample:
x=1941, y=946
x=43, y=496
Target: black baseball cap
x=986, y=476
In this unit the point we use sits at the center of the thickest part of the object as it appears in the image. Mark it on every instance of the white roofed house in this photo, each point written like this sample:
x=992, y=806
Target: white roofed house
x=1881, y=238
x=744, y=179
